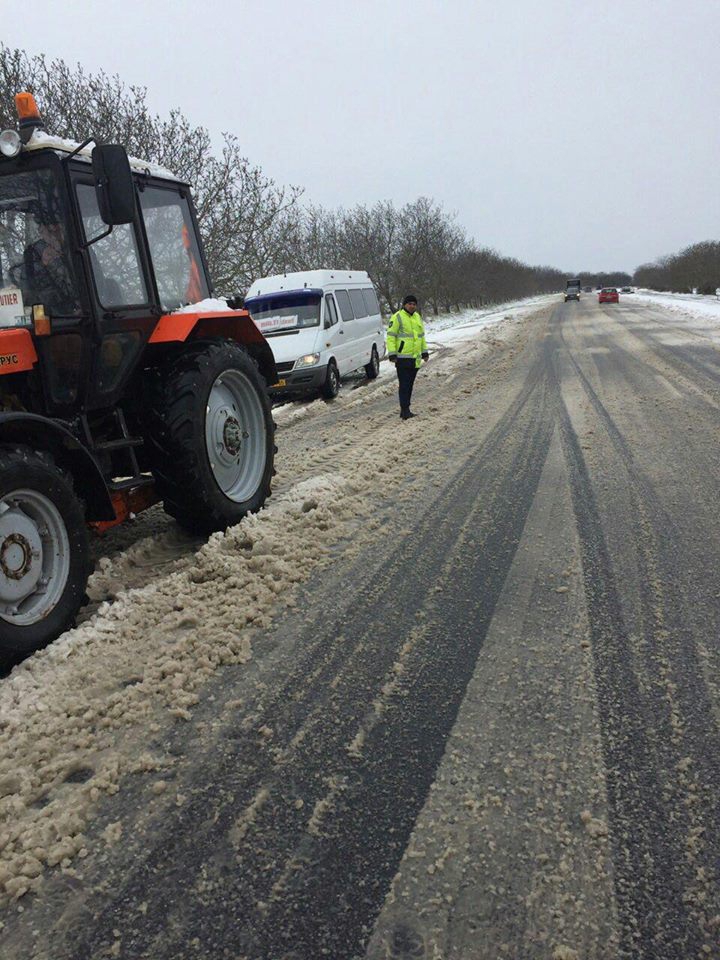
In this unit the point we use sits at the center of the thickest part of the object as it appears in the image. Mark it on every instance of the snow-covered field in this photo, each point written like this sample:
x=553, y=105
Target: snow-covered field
x=81, y=716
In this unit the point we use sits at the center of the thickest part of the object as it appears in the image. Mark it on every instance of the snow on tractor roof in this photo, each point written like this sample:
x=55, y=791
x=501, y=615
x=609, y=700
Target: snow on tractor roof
x=45, y=141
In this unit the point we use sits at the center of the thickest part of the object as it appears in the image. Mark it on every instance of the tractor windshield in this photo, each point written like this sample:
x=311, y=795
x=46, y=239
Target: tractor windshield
x=34, y=253
x=173, y=247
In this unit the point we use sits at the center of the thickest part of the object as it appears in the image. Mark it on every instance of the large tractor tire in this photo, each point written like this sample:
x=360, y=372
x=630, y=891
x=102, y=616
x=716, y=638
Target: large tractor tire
x=44, y=551
x=210, y=436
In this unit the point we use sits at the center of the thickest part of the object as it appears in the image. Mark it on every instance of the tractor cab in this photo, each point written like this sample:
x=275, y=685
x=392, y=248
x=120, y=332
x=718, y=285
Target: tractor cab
x=118, y=371
x=92, y=253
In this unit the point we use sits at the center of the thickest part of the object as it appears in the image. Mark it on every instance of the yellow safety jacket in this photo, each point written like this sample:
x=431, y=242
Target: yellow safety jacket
x=406, y=336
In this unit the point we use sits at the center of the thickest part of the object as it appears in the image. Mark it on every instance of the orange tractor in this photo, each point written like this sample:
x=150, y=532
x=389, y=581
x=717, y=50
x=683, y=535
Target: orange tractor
x=122, y=382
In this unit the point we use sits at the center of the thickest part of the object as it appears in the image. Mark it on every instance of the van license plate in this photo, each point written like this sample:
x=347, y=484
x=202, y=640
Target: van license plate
x=280, y=383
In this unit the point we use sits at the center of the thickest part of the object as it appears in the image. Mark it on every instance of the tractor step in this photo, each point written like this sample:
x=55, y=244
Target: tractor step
x=127, y=503
x=141, y=480
x=120, y=444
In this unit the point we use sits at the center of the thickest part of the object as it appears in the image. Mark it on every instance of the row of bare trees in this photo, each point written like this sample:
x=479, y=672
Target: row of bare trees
x=616, y=278
x=418, y=248
x=697, y=267
x=252, y=226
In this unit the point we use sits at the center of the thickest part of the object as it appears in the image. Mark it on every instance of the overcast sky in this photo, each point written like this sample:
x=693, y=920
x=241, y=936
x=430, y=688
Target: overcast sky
x=579, y=134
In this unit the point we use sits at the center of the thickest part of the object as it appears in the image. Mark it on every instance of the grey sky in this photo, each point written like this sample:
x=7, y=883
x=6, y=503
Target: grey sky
x=581, y=135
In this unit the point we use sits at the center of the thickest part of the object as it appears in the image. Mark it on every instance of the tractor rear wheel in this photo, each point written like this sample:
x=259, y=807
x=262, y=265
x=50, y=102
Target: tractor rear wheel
x=44, y=551
x=211, y=436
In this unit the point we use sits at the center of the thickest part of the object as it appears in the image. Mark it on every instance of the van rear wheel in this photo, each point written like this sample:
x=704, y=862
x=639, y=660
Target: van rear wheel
x=372, y=369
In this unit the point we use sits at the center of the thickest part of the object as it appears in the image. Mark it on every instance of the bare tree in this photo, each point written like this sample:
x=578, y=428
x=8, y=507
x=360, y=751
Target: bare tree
x=250, y=225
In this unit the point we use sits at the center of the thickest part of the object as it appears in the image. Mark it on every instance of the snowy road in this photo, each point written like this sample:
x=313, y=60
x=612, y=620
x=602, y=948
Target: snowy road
x=455, y=694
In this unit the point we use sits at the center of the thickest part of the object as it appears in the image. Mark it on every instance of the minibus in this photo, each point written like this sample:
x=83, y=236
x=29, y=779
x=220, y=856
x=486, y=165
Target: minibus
x=321, y=326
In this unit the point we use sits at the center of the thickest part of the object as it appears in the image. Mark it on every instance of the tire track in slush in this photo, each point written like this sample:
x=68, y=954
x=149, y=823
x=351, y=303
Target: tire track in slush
x=679, y=358
x=385, y=788
x=658, y=540
x=656, y=883
x=343, y=861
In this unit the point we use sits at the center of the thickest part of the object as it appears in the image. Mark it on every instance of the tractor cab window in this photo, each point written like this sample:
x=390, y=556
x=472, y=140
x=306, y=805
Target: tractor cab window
x=114, y=259
x=173, y=247
x=34, y=250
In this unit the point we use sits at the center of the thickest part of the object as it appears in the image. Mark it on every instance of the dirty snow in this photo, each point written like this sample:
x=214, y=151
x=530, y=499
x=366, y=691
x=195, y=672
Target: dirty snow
x=74, y=717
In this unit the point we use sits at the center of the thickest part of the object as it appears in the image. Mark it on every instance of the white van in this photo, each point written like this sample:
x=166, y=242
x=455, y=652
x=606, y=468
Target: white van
x=321, y=326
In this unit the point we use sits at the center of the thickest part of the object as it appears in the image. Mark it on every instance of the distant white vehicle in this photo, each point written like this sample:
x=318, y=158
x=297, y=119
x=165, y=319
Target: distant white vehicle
x=321, y=326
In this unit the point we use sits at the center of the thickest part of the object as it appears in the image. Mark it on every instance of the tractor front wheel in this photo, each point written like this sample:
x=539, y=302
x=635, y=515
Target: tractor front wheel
x=211, y=436
x=44, y=552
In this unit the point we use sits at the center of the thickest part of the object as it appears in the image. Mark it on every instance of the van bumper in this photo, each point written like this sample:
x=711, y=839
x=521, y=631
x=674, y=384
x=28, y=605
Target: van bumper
x=306, y=380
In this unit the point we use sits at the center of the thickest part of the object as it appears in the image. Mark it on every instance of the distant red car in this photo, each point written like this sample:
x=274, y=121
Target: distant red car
x=608, y=295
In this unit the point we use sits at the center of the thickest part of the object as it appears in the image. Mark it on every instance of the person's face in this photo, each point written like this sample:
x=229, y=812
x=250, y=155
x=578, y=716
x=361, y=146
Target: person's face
x=411, y=307
x=52, y=233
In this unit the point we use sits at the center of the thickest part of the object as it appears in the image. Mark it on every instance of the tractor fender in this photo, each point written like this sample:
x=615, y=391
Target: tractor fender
x=235, y=325
x=45, y=434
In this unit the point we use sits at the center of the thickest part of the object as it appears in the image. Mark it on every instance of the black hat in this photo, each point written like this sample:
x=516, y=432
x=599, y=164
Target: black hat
x=409, y=299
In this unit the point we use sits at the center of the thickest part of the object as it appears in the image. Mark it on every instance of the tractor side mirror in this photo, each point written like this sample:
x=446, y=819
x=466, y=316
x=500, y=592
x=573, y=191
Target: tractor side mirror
x=113, y=184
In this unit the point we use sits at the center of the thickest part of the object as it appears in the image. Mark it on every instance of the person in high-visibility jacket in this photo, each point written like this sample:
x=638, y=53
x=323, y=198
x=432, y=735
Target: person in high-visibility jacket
x=407, y=348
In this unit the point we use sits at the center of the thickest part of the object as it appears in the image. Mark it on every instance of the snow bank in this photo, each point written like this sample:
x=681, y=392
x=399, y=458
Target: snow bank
x=456, y=327
x=78, y=716
x=685, y=306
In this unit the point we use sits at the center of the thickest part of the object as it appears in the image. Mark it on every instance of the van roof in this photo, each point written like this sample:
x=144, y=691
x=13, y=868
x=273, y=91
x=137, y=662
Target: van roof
x=308, y=278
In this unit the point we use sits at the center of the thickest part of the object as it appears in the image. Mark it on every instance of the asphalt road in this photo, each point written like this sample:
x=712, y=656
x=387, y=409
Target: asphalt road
x=489, y=728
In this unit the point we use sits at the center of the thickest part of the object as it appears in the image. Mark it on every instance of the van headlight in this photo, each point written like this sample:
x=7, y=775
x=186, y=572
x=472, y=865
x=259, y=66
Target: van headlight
x=309, y=360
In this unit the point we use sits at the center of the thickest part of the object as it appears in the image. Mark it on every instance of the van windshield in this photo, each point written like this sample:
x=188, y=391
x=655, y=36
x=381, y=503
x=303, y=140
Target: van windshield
x=283, y=313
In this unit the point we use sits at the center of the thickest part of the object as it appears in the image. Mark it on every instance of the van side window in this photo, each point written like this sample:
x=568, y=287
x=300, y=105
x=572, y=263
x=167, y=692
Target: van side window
x=371, y=301
x=330, y=312
x=343, y=301
x=358, y=304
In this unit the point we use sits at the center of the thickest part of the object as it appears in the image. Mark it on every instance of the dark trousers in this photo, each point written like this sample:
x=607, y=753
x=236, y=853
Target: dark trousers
x=406, y=371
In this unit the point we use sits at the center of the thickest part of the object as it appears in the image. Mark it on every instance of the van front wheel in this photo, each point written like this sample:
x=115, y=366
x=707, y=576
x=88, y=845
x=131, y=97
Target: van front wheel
x=331, y=387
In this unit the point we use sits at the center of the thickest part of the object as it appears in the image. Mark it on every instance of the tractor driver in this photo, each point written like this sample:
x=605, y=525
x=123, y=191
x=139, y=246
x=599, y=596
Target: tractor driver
x=47, y=277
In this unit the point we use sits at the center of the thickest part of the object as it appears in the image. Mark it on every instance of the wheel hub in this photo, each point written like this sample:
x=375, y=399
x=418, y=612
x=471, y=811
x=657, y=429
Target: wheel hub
x=235, y=435
x=21, y=556
x=232, y=436
x=15, y=556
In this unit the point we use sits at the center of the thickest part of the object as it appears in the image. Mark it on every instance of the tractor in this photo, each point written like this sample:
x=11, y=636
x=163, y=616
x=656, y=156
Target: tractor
x=123, y=382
